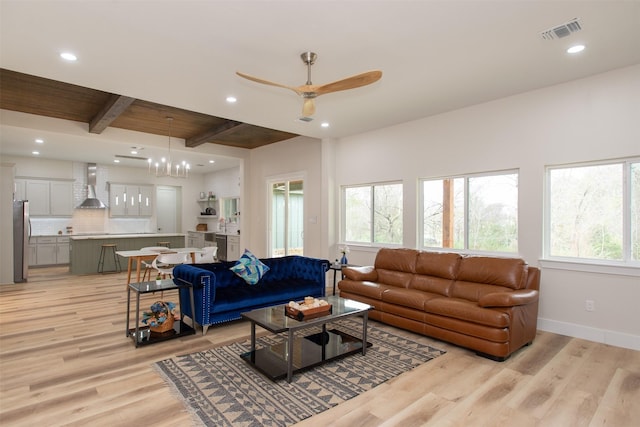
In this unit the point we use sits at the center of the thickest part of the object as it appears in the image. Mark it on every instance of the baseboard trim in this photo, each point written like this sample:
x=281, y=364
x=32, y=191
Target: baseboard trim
x=618, y=339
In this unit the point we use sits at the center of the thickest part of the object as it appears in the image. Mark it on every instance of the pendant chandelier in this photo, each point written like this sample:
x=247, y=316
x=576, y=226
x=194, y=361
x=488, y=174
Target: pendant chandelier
x=165, y=166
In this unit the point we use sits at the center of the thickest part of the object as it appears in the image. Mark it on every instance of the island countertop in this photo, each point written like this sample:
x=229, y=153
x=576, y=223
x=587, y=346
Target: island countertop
x=85, y=249
x=122, y=236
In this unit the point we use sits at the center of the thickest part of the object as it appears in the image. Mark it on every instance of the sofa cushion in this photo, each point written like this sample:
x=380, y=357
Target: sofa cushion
x=401, y=260
x=372, y=290
x=466, y=310
x=250, y=268
x=407, y=297
x=507, y=272
x=247, y=297
x=438, y=264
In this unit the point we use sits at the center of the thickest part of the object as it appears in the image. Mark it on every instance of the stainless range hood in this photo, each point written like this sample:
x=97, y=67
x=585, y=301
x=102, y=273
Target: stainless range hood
x=91, y=202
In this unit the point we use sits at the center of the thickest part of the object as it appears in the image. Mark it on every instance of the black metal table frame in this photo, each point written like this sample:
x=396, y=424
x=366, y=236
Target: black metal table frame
x=148, y=287
x=304, y=325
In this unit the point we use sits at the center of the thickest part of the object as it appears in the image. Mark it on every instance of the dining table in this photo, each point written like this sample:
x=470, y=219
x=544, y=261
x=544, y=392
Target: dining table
x=140, y=255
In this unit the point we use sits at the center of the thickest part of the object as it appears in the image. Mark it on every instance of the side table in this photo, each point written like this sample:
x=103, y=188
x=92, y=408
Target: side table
x=338, y=267
x=143, y=335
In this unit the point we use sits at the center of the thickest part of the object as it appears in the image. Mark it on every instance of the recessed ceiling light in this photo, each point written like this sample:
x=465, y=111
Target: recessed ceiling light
x=116, y=161
x=212, y=161
x=575, y=49
x=325, y=124
x=134, y=152
x=35, y=153
x=231, y=99
x=68, y=56
x=39, y=141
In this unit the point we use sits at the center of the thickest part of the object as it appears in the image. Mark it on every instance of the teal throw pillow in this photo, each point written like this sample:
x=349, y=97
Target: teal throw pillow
x=250, y=268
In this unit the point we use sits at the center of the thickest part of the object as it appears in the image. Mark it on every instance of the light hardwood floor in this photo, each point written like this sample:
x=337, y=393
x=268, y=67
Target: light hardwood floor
x=65, y=360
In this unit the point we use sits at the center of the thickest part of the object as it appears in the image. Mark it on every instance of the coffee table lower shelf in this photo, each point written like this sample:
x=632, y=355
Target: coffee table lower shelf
x=309, y=351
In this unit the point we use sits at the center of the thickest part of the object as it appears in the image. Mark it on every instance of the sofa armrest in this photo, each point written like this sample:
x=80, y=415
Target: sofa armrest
x=360, y=274
x=508, y=299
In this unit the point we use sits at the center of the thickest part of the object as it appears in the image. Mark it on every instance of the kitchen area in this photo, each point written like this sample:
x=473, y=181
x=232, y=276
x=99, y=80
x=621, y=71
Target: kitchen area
x=67, y=219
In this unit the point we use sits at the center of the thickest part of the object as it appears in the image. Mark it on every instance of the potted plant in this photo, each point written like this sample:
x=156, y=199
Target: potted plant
x=158, y=279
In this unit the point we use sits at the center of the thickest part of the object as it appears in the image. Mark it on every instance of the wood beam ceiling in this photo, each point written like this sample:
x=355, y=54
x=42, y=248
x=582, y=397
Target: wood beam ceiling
x=45, y=97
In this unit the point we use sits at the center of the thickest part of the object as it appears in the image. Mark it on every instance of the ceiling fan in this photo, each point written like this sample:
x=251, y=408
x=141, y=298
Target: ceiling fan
x=309, y=91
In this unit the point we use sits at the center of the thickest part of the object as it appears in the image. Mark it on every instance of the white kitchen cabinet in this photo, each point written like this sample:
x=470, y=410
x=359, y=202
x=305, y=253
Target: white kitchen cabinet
x=195, y=239
x=145, y=200
x=62, y=250
x=61, y=198
x=51, y=250
x=130, y=200
x=233, y=248
x=46, y=250
x=46, y=197
x=33, y=254
x=37, y=193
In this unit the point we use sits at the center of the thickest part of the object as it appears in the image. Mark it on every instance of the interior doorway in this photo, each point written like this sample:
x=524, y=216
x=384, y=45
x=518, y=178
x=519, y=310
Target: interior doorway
x=167, y=214
x=287, y=217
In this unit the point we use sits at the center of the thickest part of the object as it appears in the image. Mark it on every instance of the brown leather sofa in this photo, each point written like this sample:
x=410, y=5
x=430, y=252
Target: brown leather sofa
x=487, y=304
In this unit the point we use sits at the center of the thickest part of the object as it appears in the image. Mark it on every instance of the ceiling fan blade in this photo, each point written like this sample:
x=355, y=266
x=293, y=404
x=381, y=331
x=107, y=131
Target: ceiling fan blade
x=350, y=82
x=267, y=82
x=308, y=108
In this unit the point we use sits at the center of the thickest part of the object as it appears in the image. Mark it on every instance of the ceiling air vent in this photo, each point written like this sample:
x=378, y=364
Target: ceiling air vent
x=563, y=30
x=305, y=119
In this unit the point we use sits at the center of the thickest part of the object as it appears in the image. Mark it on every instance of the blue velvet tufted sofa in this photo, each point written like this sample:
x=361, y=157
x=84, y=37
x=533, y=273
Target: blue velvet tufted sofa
x=220, y=295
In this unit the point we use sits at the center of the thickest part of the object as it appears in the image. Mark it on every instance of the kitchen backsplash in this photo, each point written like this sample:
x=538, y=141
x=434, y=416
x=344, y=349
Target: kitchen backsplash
x=91, y=221
x=49, y=226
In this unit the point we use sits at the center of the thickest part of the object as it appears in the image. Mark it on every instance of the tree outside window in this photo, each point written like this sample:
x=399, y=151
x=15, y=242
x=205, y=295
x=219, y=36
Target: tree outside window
x=373, y=214
x=474, y=212
x=593, y=211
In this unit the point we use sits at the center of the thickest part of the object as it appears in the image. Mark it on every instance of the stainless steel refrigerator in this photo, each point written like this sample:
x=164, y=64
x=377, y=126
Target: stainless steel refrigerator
x=21, y=234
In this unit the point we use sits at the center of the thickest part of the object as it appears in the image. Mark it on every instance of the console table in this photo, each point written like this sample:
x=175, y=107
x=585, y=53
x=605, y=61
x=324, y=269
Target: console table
x=143, y=335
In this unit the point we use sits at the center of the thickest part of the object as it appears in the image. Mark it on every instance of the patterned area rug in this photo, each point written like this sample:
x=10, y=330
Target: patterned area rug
x=221, y=389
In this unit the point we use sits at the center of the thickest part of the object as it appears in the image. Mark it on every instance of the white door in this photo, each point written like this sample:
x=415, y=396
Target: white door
x=167, y=209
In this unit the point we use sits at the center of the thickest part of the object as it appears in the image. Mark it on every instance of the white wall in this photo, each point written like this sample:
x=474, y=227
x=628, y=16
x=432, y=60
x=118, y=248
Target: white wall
x=6, y=222
x=293, y=156
x=589, y=119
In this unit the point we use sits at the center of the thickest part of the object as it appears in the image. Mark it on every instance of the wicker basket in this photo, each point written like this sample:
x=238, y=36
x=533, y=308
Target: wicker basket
x=167, y=325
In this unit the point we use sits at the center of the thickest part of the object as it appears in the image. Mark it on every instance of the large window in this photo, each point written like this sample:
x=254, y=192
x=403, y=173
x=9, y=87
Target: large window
x=593, y=211
x=373, y=214
x=471, y=212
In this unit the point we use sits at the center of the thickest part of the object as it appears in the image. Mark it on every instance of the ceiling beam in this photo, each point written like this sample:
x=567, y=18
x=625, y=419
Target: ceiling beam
x=116, y=105
x=217, y=132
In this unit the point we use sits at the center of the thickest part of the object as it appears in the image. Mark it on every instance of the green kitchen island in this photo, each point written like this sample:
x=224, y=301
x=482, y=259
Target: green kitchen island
x=85, y=249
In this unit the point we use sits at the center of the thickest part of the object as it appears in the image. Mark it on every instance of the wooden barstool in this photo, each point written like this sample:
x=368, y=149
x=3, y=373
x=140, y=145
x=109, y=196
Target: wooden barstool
x=112, y=247
x=165, y=244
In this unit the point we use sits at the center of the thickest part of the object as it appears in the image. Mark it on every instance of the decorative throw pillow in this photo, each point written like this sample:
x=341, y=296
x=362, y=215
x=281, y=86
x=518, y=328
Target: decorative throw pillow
x=250, y=268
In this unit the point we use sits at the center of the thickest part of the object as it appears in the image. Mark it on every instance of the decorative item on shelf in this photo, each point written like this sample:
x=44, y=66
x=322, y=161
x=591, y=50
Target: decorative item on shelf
x=161, y=317
x=202, y=195
x=344, y=250
x=158, y=279
x=310, y=308
x=212, y=196
x=165, y=167
x=201, y=227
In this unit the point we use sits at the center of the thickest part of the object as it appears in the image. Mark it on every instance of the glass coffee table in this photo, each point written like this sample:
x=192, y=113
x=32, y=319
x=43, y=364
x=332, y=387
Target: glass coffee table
x=299, y=352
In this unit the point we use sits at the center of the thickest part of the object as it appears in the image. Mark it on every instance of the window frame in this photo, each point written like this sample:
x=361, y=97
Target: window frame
x=343, y=215
x=465, y=177
x=626, y=266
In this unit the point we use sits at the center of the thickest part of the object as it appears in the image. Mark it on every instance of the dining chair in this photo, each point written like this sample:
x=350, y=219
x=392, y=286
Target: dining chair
x=165, y=262
x=147, y=265
x=208, y=255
